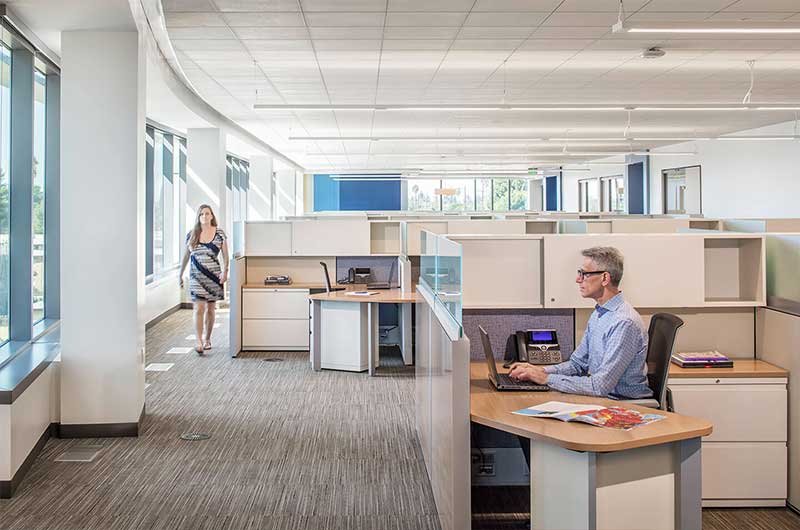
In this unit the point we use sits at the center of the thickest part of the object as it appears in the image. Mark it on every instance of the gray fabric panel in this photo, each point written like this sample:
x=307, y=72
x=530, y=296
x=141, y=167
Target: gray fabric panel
x=500, y=324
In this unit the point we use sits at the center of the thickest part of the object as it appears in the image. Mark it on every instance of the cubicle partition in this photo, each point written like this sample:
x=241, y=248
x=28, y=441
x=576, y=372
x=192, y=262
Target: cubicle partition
x=442, y=382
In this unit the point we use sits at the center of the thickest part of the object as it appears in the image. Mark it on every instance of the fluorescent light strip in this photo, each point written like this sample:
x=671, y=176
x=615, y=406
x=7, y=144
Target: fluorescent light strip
x=515, y=155
x=716, y=30
x=713, y=27
x=569, y=107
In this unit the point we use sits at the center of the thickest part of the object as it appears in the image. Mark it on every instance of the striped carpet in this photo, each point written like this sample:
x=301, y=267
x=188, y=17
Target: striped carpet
x=290, y=449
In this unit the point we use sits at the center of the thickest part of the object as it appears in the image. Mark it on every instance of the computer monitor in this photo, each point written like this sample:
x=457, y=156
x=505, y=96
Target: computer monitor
x=326, y=276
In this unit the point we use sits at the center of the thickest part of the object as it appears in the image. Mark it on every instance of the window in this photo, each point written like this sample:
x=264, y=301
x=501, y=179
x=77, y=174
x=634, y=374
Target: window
x=5, y=189
x=166, y=184
x=519, y=194
x=38, y=227
x=589, y=195
x=464, y=197
x=237, y=182
x=483, y=195
x=613, y=193
x=421, y=195
x=501, y=195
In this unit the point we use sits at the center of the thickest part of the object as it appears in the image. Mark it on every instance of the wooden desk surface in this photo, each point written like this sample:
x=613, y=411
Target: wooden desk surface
x=494, y=409
x=741, y=368
x=384, y=296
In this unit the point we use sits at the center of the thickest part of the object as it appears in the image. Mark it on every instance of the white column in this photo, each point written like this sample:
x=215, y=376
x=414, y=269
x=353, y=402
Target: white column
x=102, y=229
x=260, y=195
x=205, y=174
x=284, y=190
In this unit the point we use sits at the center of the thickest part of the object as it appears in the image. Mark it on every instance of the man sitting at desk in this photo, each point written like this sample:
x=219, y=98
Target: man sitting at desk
x=610, y=360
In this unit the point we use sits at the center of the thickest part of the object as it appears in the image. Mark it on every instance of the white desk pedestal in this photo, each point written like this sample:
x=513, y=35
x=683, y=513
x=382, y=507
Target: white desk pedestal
x=655, y=487
x=344, y=336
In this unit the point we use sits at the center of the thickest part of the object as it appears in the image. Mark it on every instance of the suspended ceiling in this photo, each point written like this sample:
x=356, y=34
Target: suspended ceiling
x=238, y=53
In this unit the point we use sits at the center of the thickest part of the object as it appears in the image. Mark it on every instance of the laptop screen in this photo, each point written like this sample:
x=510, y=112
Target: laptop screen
x=487, y=351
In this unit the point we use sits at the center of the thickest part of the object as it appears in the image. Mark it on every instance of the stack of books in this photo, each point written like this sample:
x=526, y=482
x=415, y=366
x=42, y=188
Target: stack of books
x=703, y=359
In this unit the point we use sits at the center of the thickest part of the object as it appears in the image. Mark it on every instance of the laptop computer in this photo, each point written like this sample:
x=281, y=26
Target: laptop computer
x=387, y=284
x=503, y=381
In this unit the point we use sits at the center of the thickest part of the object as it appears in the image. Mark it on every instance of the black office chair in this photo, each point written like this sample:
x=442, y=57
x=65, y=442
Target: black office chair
x=327, y=277
x=661, y=342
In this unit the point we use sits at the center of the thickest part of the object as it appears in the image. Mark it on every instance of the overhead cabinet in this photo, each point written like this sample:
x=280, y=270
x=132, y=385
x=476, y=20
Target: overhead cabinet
x=331, y=237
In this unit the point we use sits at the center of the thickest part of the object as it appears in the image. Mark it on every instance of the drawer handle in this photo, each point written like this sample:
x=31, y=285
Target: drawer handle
x=717, y=381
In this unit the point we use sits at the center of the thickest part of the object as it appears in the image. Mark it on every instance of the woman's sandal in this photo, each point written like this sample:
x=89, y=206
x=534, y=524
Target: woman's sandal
x=207, y=344
x=199, y=348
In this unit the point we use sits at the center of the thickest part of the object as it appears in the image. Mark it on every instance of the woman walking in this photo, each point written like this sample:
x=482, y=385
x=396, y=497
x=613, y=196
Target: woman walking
x=204, y=244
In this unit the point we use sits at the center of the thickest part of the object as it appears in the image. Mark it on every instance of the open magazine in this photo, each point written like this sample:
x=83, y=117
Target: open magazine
x=610, y=417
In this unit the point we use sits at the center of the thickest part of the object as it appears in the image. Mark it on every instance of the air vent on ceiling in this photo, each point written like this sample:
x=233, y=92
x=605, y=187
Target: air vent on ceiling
x=653, y=53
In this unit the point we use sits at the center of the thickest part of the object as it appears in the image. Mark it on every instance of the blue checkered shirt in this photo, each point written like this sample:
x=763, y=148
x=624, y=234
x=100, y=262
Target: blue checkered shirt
x=610, y=361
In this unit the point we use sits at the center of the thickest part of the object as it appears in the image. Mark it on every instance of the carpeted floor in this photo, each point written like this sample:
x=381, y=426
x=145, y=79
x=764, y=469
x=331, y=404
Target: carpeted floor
x=290, y=449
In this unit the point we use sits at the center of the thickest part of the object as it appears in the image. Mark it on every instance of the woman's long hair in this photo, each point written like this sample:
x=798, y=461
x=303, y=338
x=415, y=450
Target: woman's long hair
x=195, y=237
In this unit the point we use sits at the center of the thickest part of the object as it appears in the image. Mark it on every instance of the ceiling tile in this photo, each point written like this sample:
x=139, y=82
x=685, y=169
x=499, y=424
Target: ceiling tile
x=556, y=44
x=193, y=19
x=430, y=5
x=560, y=32
x=544, y=6
x=425, y=19
x=347, y=44
x=688, y=5
x=581, y=19
x=257, y=5
x=611, y=6
x=207, y=45
x=419, y=44
x=497, y=32
x=788, y=6
x=346, y=33
x=420, y=33
x=334, y=6
x=530, y=20
x=272, y=33
x=673, y=16
x=747, y=16
x=344, y=19
x=187, y=5
x=263, y=19
x=258, y=45
x=486, y=44
x=201, y=33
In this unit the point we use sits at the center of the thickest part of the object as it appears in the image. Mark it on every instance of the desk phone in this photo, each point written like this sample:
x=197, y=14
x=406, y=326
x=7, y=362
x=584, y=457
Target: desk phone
x=538, y=346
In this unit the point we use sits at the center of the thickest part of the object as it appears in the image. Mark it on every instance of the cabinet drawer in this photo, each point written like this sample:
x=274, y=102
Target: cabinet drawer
x=744, y=470
x=274, y=334
x=278, y=303
x=740, y=413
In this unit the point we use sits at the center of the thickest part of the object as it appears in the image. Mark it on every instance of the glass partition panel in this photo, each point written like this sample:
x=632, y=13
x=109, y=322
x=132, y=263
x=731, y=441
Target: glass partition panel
x=427, y=260
x=783, y=262
x=448, y=293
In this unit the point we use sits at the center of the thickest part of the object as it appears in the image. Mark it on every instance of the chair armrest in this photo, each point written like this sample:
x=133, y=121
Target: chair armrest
x=647, y=402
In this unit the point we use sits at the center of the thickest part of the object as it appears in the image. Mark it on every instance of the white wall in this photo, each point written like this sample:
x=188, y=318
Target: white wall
x=742, y=178
x=160, y=296
x=260, y=194
x=284, y=190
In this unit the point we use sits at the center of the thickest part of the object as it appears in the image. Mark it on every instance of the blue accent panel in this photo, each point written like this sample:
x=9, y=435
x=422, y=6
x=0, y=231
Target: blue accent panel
x=551, y=193
x=326, y=194
x=370, y=195
x=635, y=189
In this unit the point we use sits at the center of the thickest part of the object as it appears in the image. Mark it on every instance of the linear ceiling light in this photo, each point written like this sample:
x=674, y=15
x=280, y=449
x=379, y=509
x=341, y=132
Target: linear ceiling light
x=711, y=27
x=558, y=107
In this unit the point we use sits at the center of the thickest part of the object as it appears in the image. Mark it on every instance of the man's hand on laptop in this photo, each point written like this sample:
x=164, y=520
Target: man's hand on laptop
x=528, y=372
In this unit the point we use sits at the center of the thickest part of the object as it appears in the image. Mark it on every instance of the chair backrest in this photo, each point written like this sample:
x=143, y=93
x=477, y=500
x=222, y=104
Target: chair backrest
x=661, y=341
x=326, y=276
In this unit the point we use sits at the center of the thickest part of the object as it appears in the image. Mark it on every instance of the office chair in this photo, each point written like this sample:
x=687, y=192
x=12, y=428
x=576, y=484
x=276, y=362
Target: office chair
x=327, y=277
x=661, y=342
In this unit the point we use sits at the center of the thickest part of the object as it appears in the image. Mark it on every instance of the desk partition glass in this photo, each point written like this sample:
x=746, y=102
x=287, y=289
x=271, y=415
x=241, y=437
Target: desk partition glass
x=440, y=271
x=783, y=264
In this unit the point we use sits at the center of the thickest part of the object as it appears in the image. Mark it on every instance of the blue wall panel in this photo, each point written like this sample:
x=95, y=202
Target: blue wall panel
x=326, y=194
x=371, y=195
x=551, y=193
x=635, y=189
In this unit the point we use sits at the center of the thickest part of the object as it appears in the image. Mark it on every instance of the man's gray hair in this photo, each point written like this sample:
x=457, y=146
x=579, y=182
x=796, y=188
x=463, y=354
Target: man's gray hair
x=607, y=259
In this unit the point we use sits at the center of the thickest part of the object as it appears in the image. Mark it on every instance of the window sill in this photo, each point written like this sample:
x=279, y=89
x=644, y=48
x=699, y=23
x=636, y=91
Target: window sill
x=162, y=276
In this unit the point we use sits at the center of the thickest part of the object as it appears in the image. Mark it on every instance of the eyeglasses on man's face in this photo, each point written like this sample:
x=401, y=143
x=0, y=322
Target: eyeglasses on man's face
x=582, y=274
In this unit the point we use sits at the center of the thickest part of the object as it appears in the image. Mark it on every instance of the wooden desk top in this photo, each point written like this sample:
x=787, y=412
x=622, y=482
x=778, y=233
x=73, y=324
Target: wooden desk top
x=384, y=296
x=741, y=368
x=494, y=409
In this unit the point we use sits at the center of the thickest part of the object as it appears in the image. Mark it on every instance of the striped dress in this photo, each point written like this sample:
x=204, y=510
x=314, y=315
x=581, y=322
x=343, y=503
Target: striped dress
x=204, y=284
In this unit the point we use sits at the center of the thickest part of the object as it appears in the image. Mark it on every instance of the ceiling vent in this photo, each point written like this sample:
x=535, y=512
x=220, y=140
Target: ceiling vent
x=653, y=53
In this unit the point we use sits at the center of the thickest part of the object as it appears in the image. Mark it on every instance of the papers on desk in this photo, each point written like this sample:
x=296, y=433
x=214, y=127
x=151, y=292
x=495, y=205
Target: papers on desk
x=597, y=415
x=360, y=293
